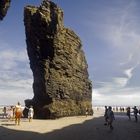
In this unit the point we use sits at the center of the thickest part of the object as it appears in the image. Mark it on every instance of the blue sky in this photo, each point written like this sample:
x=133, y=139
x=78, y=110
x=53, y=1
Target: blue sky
x=110, y=34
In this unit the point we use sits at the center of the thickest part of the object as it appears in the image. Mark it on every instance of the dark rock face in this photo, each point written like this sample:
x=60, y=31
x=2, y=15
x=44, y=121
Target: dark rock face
x=61, y=85
x=4, y=5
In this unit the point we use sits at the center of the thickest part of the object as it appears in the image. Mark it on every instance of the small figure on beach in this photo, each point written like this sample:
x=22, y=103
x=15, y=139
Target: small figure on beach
x=135, y=113
x=128, y=112
x=111, y=118
x=30, y=113
x=4, y=112
x=18, y=113
x=139, y=111
x=87, y=111
x=10, y=113
x=105, y=115
x=116, y=109
x=113, y=108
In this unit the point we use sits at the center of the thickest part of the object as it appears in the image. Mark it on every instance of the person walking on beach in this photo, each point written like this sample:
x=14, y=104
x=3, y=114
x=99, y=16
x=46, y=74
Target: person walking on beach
x=86, y=111
x=135, y=113
x=10, y=113
x=18, y=113
x=30, y=113
x=110, y=115
x=128, y=112
x=4, y=112
x=105, y=115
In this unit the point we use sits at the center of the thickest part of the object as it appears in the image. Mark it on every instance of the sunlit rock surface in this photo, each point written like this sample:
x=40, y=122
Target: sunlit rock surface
x=61, y=85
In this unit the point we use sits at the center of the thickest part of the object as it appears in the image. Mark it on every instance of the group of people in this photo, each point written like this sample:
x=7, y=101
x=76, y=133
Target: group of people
x=109, y=116
x=135, y=111
x=16, y=112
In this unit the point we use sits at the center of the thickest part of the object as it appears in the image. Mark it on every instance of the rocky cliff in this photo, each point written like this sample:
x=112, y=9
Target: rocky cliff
x=4, y=5
x=61, y=86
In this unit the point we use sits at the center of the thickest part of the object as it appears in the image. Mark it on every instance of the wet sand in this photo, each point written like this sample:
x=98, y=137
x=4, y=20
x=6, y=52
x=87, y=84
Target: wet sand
x=71, y=128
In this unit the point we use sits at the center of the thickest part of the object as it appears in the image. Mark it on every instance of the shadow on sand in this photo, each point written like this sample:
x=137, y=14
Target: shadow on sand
x=93, y=129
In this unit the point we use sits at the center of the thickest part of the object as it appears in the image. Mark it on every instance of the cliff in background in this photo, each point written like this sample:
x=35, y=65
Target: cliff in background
x=4, y=5
x=61, y=85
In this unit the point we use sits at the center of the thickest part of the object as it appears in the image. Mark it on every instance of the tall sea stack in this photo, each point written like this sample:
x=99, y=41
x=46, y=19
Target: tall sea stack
x=4, y=5
x=61, y=86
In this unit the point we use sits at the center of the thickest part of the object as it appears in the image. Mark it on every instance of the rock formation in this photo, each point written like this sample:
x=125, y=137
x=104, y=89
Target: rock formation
x=4, y=5
x=61, y=86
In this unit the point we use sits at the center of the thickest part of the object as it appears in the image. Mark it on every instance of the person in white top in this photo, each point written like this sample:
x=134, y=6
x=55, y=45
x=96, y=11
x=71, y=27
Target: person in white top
x=10, y=113
x=30, y=113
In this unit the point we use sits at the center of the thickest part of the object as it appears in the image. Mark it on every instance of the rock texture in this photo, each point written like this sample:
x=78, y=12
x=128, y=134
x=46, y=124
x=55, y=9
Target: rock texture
x=61, y=85
x=4, y=5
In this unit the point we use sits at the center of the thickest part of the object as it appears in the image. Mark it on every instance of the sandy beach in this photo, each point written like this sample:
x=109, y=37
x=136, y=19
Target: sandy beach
x=71, y=128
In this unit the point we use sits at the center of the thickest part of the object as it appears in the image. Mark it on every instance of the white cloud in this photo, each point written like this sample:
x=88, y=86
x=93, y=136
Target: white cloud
x=114, y=97
x=10, y=58
x=120, y=81
x=123, y=81
x=15, y=76
x=128, y=72
x=130, y=58
x=8, y=51
x=10, y=96
x=19, y=83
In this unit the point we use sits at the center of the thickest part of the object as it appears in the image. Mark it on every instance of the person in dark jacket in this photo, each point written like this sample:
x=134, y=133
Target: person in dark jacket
x=105, y=115
x=136, y=113
x=110, y=117
x=128, y=112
